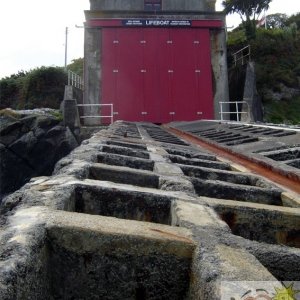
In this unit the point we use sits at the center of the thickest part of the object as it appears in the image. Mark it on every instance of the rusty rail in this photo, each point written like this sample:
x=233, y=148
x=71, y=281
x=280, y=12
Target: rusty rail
x=284, y=178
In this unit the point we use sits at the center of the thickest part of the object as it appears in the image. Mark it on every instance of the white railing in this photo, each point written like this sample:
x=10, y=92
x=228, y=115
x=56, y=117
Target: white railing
x=243, y=55
x=75, y=80
x=237, y=112
x=111, y=116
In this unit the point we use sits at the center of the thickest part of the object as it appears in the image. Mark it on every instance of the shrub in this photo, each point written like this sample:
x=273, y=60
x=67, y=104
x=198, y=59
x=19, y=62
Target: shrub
x=40, y=87
x=44, y=87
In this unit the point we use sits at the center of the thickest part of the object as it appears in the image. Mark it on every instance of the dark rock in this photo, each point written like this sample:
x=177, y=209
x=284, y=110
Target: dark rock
x=24, y=144
x=39, y=132
x=54, y=131
x=15, y=171
x=30, y=147
x=10, y=132
x=28, y=122
x=10, y=128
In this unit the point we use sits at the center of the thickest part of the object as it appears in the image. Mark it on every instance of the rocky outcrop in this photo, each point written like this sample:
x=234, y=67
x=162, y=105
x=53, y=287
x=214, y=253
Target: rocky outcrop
x=31, y=142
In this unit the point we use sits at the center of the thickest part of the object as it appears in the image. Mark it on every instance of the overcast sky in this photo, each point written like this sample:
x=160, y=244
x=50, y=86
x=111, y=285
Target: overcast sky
x=33, y=31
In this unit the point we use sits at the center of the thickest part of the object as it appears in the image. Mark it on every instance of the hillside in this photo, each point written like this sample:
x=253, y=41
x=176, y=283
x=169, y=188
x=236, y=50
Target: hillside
x=276, y=53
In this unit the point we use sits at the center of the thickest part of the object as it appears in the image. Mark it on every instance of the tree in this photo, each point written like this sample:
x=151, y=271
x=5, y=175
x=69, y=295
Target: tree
x=76, y=66
x=276, y=21
x=249, y=11
x=294, y=19
x=40, y=87
x=11, y=90
x=44, y=87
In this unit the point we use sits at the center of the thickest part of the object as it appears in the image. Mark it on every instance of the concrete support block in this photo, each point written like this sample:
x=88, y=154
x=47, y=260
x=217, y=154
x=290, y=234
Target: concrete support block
x=253, y=106
x=71, y=116
x=71, y=92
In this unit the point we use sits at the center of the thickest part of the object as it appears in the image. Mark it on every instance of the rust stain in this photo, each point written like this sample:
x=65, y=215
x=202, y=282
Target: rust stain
x=172, y=235
x=286, y=179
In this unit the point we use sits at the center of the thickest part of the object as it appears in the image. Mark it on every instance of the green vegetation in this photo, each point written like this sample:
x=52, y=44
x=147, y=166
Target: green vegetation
x=76, y=66
x=283, y=112
x=249, y=11
x=57, y=115
x=40, y=87
x=276, y=53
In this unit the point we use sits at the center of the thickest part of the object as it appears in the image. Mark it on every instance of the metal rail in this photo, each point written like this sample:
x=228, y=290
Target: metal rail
x=111, y=116
x=237, y=112
x=278, y=176
x=75, y=80
x=243, y=55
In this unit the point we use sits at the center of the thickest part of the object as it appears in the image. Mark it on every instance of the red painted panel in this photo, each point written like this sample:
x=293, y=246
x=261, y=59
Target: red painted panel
x=157, y=75
x=208, y=23
x=149, y=44
x=164, y=76
x=130, y=76
x=204, y=78
x=183, y=84
x=121, y=81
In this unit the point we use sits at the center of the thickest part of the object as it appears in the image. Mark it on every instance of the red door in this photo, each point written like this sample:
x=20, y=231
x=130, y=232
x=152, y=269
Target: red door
x=184, y=85
x=164, y=76
x=150, y=65
x=157, y=74
x=205, y=106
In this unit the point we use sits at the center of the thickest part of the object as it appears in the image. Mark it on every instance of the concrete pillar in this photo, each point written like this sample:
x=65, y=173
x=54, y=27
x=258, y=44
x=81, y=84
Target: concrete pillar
x=253, y=106
x=71, y=116
x=92, y=73
x=220, y=71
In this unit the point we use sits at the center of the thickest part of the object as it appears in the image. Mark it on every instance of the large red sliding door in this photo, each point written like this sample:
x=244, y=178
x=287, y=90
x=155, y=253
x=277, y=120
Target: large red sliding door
x=122, y=81
x=157, y=75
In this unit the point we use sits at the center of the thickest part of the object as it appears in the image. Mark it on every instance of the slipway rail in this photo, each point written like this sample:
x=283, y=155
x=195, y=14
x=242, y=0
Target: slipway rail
x=285, y=178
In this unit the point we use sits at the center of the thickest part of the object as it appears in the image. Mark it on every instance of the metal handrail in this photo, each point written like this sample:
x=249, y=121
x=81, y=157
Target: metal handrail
x=111, y=116
x=240, y=56
x=237, y=112
x=75, y=80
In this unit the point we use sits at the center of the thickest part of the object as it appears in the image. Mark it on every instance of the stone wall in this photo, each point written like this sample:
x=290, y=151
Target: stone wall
x=122, y=218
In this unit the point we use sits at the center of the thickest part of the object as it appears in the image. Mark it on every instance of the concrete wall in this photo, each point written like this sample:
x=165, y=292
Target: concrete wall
x=167, y=5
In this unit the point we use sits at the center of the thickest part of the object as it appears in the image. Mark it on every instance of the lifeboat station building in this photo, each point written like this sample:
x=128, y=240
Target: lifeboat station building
x=154, y=60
